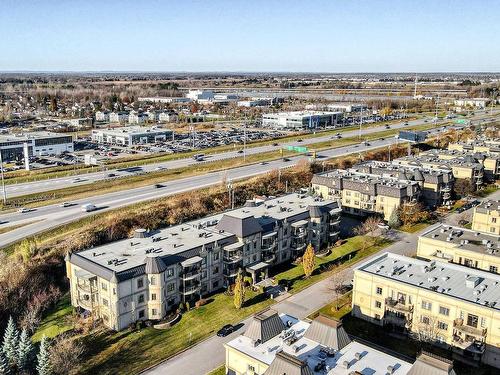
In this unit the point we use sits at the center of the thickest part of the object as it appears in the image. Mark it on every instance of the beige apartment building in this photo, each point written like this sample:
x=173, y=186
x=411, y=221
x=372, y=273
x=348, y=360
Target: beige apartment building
x=363, y=194
x=461, y=246
x=449, y=305
x=486, y=217
x=145, y=277
x=490, y=146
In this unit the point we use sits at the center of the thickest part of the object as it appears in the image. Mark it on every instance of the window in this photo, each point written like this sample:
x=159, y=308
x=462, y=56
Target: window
x=493, y=219
x=443, y=326
x=153, y=280
x=472, y=320
x=426, y=305
x=494, y=269
x=216, y=256
x=154, y=312
x=104, y=286
x=153, y=296
x=378, y=304
x=483, y=323
x=251, y=368
x=170, y=272
x=215, y=284
x=379, y=290
x=114, y=291
x=170, y=287
x=215, y=270
x=140, y=283
x=141, y=298
x=141, y=314
x=424, y=319
x=377, y=317
x=444, y=310
x=105, y=302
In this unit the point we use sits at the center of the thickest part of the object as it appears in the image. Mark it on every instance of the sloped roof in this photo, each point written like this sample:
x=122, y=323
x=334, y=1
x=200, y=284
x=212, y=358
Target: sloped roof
x=155, y=265
x=264, y=326
x=427, y=364
x=287, y=364
x=314, y=211
x=328, y=332
x=242, y=227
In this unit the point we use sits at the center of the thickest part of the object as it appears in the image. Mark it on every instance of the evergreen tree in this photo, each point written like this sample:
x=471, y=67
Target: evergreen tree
x=42, y=359
x=24, y=351
x=394, y=221
x=308, y=260
x=10, y=342
x=239, y=291
x=4, y=365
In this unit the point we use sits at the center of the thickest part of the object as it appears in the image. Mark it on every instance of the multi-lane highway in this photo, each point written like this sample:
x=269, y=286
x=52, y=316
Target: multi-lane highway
x=51, y=216
x=16, y=190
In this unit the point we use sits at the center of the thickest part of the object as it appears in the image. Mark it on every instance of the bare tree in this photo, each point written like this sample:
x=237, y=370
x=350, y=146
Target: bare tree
x=367, y=231
x=65, y=354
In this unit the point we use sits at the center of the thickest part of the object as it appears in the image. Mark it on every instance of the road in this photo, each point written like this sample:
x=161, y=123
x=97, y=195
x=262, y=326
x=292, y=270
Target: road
x=16, y=190
x=210, y=354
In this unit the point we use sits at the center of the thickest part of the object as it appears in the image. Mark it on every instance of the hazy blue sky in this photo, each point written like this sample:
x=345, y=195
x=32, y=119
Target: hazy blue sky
x=251, y=35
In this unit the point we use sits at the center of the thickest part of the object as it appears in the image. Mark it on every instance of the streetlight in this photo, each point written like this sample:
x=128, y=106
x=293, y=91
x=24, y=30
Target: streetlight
x=3, y=182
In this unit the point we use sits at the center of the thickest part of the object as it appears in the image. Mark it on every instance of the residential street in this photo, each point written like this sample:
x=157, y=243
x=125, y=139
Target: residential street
x=209, y=354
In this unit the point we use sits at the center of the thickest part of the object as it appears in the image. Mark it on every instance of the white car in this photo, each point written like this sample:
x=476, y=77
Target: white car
x=65, y=204
x=160, y=168
x=23, y=210
x=383, y=226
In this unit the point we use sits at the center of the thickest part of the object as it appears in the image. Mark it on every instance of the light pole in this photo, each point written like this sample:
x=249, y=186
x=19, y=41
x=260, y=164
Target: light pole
x=4, y=193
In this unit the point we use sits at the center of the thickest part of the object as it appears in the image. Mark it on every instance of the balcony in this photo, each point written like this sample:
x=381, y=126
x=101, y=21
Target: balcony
x=269, y=257
x=468, y=333
x=268, y=246
x=232, y=257
x=397, y=319
x=298, y=246
x=190, y=290
x=335, y=222
x=85, y=303
x=398, y=306
x=446, y=189
x=231, y=272
x=191, y=275
x=299, y=234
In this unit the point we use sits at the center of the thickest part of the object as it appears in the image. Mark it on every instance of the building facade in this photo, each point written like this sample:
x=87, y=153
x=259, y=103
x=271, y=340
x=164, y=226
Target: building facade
x=364, y=194
x=443, y=303
x=301, y=120
x=131, y=135
x=486, y=217
x=38, y=144
x=120, y=117
x=151, y=274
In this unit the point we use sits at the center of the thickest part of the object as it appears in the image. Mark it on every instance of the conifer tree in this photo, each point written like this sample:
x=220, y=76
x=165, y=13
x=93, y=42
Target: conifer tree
x=24, y=351
x=42, y=359
x=10, y=342
x=4, y=364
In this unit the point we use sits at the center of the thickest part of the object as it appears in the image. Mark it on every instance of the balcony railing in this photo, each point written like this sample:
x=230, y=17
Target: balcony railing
x=398, y=305
x=460, y=328
x=190, y=290
x=299, y=234
x=191, y=275
x=267, y=246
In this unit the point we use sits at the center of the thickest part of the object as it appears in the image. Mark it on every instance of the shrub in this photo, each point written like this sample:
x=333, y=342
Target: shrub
x=200, y=302
x=139, y=325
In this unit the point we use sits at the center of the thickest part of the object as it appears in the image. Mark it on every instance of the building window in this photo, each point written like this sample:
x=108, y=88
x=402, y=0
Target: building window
x=494, y=269
x=377, y=317
x=216, y=256
x=378, y=304
x=154, y=312
x=472, y=320
x=483, y=323
x=215, y=270
x=141, y=298
x=114, y=291
x=141, y=314
x=426, y=305
x=153, y=280
x=443, y=326
x=104, y=286
x=140, y=283
x=215, y=284
x=170, y=272
x=251, y=368
x=170, y=287
x=444, y=310
x=153, y=296
x=105, y=302
x=425, y=320
x=379, y=290
x=493, y=219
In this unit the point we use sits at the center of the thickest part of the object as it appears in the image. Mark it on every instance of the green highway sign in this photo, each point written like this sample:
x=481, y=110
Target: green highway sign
x=461, y=121
x=296, y=148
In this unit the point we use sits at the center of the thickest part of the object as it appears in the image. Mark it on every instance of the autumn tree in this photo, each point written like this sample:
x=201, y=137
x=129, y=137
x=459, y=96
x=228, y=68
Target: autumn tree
x=239, y=291
x=411, y=213
x=308, y=261
x=463, y=187
x=65, y=354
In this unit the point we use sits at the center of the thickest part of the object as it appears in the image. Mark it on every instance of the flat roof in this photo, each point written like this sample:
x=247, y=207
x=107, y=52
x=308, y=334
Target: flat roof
x=443, y=164
x=132, y=130
x=177, y=243
x=372, y=361
x=366, y=178
x=300, y=114
x=30, y=135
x=488, y=205
x=466, y=239
x=466, y=284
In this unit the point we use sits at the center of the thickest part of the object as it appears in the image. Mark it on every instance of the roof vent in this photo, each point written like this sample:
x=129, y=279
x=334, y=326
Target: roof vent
x=140, y=233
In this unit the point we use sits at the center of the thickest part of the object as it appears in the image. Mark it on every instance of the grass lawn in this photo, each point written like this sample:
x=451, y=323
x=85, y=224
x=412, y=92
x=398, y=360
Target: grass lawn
x=487, y=190
x=111, y=353
x=218, y=371
x=336, y=309
x=416, y=228
x=54, y=323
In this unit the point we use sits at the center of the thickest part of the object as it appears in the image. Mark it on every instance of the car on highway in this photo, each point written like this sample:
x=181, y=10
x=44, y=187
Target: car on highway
x=406, y=123
x=387, y=126
x=263, y=163
x=66, y=204
x=158, y=186
x=275, y=144
x=23, y=210
x=160, y=168
x=299, y=140
x=240, y=151
x=111, y=174
x=226, y=330
x=88, y=207
x=286, y=159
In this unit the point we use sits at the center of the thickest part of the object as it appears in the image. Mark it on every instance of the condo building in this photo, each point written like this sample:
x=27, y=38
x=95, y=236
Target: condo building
x=363, y=194
x=486, y=217
x=277, y=344
x=146, y=276
x=461, y=246
x=490, y=146
x=444, y=303
x=301, y=120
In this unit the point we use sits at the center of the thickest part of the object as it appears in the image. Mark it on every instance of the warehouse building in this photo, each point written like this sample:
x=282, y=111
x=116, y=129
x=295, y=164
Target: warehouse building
x=301, y=120
x=131, y=135
x=13, y=146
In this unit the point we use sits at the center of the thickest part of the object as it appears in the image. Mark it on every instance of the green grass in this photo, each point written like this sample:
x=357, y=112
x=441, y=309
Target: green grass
x=336, y=309
x=110, y=353
x=56, y=321
x=218, y=371
x=415, y=228
x=487, y=190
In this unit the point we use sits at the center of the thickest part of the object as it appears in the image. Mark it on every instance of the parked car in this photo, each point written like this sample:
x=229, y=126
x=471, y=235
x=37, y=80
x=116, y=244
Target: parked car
x=226, y=330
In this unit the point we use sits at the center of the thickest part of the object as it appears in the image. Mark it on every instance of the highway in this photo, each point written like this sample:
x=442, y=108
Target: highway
x=51, y=216
x=16, y=190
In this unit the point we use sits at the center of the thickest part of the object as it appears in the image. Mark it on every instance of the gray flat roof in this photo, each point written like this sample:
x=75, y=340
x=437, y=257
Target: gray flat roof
x=488, y=205
x=466, y=239
x=440, y=278
x=132, y=130
x=30, y=135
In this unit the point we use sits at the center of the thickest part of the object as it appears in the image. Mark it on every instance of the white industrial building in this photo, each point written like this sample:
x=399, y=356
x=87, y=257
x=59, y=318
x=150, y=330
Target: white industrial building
x=342, y=107
x=165, y=99
x=301, y=120
x=131, y=135
x=13, y=146
x=479, y=103
x=201, y=96
x=102, y=116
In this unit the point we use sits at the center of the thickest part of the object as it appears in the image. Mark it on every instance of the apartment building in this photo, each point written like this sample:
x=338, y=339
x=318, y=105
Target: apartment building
x=120, y=116
x=148, y=275
x=486, y=217
x=461, y=246
x=102, y=116
x=277, y=344
x=462, y=167
x=137, y=117
x=436, y=184
x=490, y=146
x=490, y=162
x=471, y=103
x=447, y=304
x=363, y=194
x=301, y=120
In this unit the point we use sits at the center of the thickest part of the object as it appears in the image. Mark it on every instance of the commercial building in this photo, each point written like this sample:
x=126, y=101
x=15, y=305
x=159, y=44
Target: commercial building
x=201, y=96
x=38, y=144
x=120, y=116
x=146, y=276
x=131, y=135
x=164, y=99
x=471, y=103
x=463, y=167
x=436, y=184
x=363, y=194
x=84, y=122
x=486, y=217
x=461, y=246
x=443, y=303
x=277, y=344
x=348, y=108
x=301, y=120
x=260, y=102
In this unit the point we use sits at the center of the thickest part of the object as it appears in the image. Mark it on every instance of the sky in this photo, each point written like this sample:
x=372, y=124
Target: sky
x=250, y=35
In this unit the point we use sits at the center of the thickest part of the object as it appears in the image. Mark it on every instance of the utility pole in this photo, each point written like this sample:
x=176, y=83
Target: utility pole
x=3, y=182
x=245, y=141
